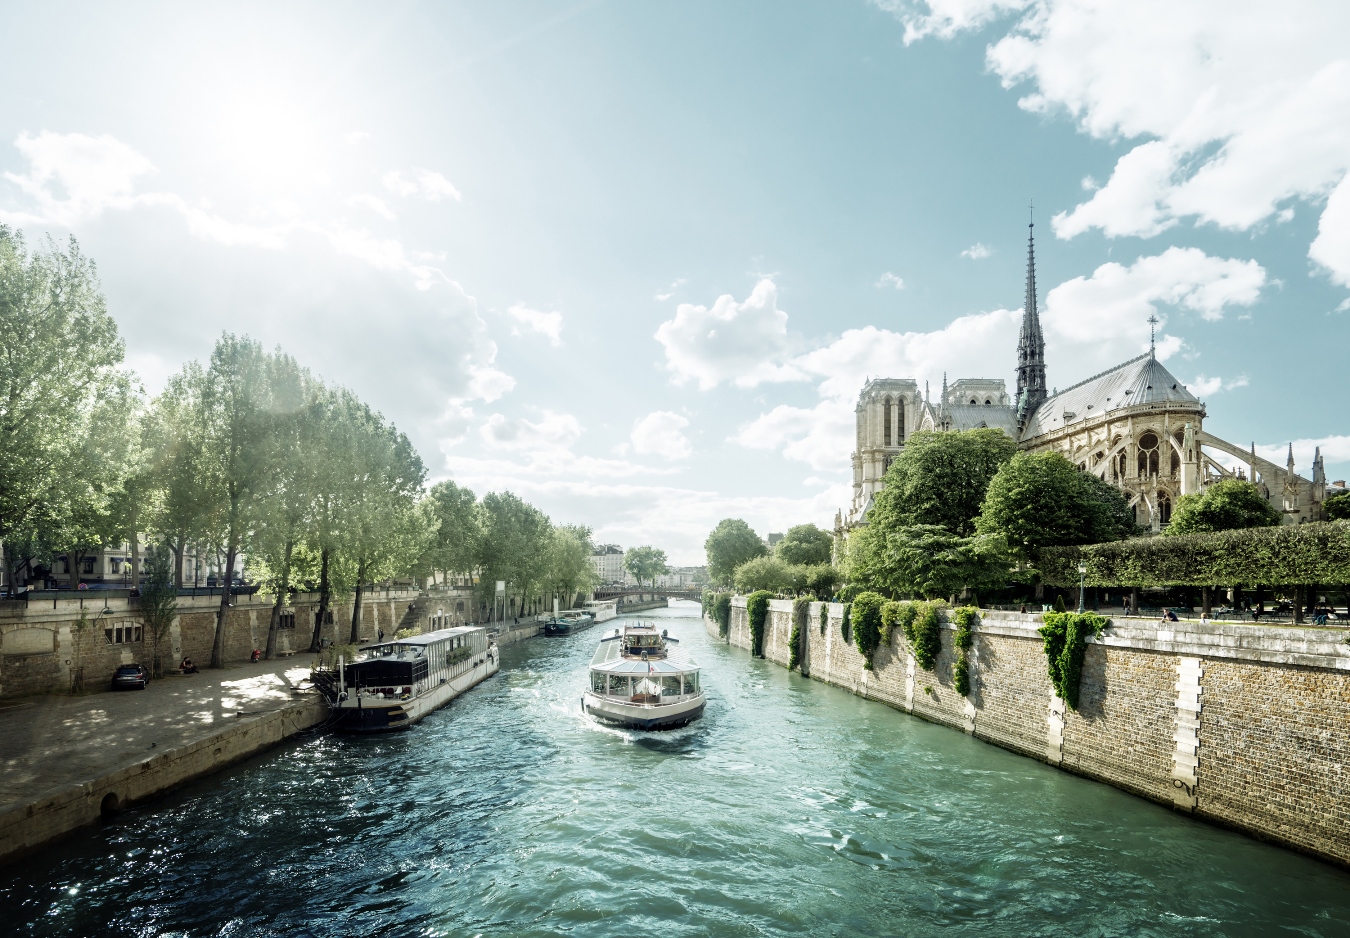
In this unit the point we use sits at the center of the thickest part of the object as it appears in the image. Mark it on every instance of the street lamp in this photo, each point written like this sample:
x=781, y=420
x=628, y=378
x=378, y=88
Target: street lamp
x=1082, y=572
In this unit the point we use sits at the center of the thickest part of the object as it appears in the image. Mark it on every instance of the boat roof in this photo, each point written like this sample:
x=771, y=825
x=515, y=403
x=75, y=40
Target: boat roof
x=609, y=657
x=440, y=635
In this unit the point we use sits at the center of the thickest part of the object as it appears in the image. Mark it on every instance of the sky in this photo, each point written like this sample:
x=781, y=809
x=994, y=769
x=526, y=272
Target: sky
x=634, y=261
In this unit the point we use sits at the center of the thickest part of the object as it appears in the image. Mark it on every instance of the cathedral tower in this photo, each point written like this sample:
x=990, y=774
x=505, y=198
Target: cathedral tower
x=1030, y=344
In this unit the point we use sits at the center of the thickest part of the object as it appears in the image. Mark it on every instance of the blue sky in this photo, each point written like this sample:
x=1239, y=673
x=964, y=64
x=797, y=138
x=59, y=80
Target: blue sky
x=633, y=261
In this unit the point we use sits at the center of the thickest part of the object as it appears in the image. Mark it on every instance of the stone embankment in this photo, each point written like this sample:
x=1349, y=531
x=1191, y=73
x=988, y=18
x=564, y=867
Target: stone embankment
x=1242, y=725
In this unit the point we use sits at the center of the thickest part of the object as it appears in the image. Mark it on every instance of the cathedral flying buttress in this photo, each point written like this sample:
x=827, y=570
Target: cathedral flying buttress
x=1135, y=426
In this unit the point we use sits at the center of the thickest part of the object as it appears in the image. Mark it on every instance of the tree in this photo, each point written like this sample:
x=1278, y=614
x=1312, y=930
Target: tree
x=569, y=569
x=454, y=547
x=158, y=602
x=729, y=545
x=1042, y=500
x=940, y=479
x=1224, y=506
x=1338, y=506
x=805, y=544
x=645, y=563
x=769, y=573
x=927, y=560
x=514, y=546
x=62, y=358
x=172, y=439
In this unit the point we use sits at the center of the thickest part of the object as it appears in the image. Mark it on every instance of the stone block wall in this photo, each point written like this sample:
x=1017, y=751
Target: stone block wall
x=1242, y=725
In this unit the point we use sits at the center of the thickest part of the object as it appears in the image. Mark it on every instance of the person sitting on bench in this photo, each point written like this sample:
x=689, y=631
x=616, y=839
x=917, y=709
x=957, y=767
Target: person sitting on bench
x=187, y=667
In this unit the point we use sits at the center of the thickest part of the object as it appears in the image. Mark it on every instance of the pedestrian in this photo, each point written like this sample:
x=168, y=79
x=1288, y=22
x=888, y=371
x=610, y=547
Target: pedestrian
x=380, y=633
x=256, y=657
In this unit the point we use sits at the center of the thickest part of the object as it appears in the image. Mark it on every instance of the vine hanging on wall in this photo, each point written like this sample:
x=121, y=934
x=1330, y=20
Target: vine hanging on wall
x=867, y=624
x=824, y=617
x=722, y=613
x=964, y=617
x=924, y=633
x=757, y=611
x=801, y=613
x=846, y=623
x=1065, y=635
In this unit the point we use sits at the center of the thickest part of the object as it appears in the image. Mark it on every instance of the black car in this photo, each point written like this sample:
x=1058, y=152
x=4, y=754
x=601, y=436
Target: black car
x=130, y=675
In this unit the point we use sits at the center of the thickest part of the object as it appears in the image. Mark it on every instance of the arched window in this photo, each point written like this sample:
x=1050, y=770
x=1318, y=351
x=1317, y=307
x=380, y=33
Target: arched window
x=986, y=403
x=886, y=421
x=1176, y=463
x=1164, y=509
x=1148, y=454
x=899, y=421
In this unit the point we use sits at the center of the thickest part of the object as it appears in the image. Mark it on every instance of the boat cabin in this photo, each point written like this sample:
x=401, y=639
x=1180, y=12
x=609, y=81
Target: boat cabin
x=397, y=668
x=661, y=678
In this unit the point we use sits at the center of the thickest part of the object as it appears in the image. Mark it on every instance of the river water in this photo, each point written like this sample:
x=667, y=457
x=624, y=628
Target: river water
x=792, y=808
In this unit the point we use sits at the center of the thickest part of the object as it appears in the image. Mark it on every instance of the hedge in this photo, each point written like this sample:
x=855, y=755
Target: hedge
x=1287, y=555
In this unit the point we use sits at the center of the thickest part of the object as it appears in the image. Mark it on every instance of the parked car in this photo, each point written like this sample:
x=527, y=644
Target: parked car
x=129, y=676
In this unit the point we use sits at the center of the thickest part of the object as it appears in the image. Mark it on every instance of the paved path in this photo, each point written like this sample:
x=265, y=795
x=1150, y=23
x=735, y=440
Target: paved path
x=49, y=742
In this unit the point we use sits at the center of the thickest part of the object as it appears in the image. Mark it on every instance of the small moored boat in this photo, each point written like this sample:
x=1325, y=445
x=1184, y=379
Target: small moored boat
x=397, y=683
x=636, y=681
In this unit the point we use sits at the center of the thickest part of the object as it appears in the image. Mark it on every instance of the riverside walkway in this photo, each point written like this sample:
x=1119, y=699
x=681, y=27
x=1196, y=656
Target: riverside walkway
x=64, y=756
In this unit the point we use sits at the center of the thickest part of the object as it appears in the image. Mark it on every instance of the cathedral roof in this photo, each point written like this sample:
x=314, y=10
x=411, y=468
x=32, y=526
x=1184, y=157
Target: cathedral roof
x=1141, y=380
x=970, y=416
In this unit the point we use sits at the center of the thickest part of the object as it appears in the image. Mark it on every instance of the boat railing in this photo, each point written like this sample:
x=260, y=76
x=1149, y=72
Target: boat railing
x=665, y=698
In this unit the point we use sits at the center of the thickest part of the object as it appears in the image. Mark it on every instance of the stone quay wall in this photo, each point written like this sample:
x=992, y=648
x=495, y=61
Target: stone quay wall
x=1245, y=726
x=43, y=640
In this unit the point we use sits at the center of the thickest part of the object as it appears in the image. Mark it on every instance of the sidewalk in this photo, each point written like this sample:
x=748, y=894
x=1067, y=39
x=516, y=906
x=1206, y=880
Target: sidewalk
x=48, y=742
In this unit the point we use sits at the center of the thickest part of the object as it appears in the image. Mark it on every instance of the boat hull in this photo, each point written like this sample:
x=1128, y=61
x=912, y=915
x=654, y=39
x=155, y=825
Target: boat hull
x=642, y=716
x=372, y=715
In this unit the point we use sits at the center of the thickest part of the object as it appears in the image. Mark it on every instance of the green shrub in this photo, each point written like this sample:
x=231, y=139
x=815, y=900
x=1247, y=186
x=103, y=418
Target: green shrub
x=1065, y=635
x=709, y=597
x=964, y=617
x=801, y=612
x=924, y=633
x=824, y=616
x=846, y=623
x=867, y=624
x=757, y=610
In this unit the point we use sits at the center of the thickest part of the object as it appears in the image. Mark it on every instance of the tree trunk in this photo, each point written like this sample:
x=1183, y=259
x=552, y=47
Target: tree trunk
x=356, y=604
x=135, y=554
x=218, y=647
x=179, y=548
x=323, y=602
x=1134, y=600
x=1204, y=600
x=283, y=587
x=1298, y=604
x=1310, y=599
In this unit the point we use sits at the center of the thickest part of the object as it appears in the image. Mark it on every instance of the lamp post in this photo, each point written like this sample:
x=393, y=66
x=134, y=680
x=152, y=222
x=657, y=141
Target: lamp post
x=1082, y=572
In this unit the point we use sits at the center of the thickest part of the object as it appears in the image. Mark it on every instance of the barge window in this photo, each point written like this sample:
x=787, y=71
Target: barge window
x=670, y=685
x=598, y=682
x=618, y=685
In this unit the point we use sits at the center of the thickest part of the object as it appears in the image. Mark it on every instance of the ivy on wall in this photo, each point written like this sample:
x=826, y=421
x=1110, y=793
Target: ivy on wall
x=824, y=616
x=895, y=614
x=801, y=612
x=722, y=614
x=757, y=610
x=846, y=623
x=1065, y=635
x=964, y=617
x=867, y=608
x=1288, y=555
x=924, y=634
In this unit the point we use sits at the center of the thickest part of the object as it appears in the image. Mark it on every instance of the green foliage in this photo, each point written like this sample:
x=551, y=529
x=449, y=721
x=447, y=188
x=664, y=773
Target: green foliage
x=824, y=617
x=729, y=545
x=895, y=614
x=1065, y=635
x=821, y=578
x=801, y=612
x=867, y=624
x=706, y=601
x=1041, y=500
x=806, y=545
x=925, y=559
x=645, y=563
x=1059, y=603
x=459, y=528
x=158, y=603
x=846, y=623
x=769, y=573
x=1338, y=507
x=568, y=569
x=964, y=617
x=757, y=611
x=722, y=613
x=458, y=655
x=515, y=542
x=940, y=479
x=923, y=632
x=1226, y=505
x=1287, y=555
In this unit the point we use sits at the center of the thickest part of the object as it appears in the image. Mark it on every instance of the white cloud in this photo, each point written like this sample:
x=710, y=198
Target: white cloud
x=432, y=186
x=889, y=279
x=532, y=320
x=976, y=252
x=660, y=433
x=670, y=290
x=74, y=176
x=356, y=136
x=1203, y=387
x=743, y=343
x=1335, y=449
x=374, y=203
x=1235, y=110
x=1344, y=305
x=553, y=431
x=487, y=383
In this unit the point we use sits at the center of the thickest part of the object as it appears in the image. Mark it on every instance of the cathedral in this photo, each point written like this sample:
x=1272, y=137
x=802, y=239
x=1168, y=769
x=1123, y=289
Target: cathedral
x=1135, y=426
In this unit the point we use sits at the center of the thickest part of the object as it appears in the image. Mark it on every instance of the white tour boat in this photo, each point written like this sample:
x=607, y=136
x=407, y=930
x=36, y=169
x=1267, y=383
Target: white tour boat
x=637, y=682
x=397, y=683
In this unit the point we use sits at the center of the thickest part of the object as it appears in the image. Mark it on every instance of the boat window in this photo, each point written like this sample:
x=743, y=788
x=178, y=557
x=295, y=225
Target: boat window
x=618, y=684
x=598, y=682
x=670, y=685
x=691, y=682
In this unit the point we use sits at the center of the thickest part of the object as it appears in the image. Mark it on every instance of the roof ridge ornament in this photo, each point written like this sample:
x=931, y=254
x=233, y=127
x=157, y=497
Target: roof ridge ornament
x=1152, y=335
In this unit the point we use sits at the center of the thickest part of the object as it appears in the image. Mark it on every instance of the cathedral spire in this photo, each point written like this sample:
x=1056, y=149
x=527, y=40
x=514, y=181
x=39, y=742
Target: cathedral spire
x=1031, y=343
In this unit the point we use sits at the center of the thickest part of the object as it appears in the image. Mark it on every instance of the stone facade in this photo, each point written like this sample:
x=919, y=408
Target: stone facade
x=1240, y=725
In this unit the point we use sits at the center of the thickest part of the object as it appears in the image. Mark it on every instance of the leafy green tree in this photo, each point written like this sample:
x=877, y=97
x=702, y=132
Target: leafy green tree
x=1224, y=506
x=927, y=560
x=769, y=573
x=177, y=506
x=645, y=563
x=940, y=479
x=62, y=360
x=805, y=544
x=158, y=603
x=823, y=578
x=1338, y=507
x=513, y=548
x=1042, y=500
x=454, y=548
x=731, y=544
x=569, y=570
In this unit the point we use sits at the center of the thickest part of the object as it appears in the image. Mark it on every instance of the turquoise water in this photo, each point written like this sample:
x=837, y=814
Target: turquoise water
x=792, y=808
